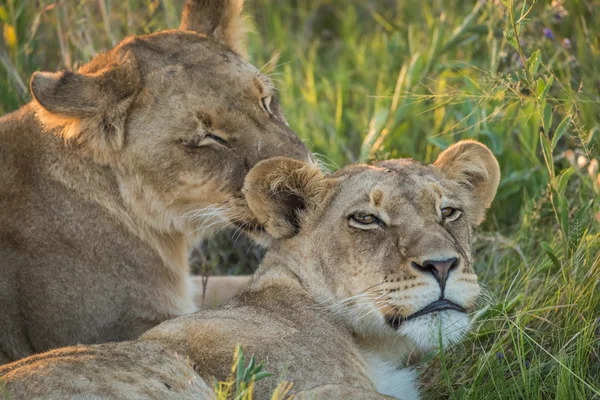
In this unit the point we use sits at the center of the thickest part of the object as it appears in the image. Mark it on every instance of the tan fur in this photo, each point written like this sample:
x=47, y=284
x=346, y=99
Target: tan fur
x=318, y=310
x=105, y=178
x=215, y=290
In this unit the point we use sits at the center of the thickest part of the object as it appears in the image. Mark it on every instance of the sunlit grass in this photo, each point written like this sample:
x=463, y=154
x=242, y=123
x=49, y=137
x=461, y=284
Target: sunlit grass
x=371, y=79
x=240, y=385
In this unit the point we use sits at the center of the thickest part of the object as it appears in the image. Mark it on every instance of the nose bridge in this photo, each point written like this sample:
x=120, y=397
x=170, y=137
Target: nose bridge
x=425, y=240
x=277, y=140
x=437, y=245
x=290, y=144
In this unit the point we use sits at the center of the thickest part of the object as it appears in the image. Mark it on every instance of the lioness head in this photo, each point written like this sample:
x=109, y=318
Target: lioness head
x=386, y=247
x=179, y=116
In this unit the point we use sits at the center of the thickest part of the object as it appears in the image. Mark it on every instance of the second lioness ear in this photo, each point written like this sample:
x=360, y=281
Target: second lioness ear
x=280, y=190
x=219, y=19
x=472, y=165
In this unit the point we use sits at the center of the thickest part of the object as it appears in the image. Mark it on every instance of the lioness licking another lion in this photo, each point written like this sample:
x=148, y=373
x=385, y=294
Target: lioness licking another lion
x=103, y=175
x=364, y=266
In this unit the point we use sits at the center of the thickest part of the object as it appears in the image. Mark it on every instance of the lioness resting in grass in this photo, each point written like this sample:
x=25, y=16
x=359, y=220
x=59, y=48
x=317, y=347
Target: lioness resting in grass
x=364, y=266
x=104, y=174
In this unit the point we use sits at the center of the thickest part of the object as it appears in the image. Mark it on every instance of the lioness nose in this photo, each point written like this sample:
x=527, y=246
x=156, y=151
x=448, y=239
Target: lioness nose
x=439, y=268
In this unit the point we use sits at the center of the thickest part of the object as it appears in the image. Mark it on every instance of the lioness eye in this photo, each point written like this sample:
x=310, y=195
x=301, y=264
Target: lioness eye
x=266, y=102
x=197, y=141
x=365, y=221
x=450, y=214
x=217, y=139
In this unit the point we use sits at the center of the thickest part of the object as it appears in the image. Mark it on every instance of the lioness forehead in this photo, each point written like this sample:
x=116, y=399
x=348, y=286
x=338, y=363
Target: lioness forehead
x=157, y=51
x=177, y=47
x=393, y=176
x=393, y=183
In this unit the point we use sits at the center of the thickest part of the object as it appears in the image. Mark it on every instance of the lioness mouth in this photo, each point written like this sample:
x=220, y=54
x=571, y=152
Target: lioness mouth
x=439, y=305
x=395, y=320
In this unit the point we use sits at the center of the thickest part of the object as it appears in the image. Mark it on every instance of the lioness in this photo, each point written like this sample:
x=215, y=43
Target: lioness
x=364, y=266
x=103, y=178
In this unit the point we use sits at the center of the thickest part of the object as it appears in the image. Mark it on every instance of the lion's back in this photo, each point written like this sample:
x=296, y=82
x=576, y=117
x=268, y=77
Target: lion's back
x=115, y=370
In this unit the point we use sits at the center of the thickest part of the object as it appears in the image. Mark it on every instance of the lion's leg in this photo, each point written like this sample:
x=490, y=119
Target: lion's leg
x=215, y=290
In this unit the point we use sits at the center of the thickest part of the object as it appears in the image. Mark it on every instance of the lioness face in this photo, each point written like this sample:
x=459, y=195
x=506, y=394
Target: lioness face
x=398, y=239
x=200, y=123
x=179, y=116
x=388, y=246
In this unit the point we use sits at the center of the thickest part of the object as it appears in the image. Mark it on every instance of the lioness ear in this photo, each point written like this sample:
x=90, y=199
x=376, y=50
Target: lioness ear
x=90, y=109
x=219, y=19
x=279, y=190
x=474, y=166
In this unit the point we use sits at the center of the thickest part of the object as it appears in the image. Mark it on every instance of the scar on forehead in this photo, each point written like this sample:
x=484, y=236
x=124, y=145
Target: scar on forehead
x=377, y=197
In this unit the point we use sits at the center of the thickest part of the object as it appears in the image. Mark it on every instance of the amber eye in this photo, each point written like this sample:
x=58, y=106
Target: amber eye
x=450, y=214
x=365, y=221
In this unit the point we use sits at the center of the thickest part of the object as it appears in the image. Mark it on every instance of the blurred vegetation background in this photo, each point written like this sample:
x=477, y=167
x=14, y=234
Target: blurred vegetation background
x=373, y=79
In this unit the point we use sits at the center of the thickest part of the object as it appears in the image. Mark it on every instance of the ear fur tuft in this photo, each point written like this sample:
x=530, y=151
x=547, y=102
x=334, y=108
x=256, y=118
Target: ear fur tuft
x=220, y=19
x=280, y=190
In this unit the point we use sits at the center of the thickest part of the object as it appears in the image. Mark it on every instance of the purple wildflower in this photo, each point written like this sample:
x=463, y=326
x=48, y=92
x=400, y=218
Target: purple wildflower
x=566, y=43
x=548, y=33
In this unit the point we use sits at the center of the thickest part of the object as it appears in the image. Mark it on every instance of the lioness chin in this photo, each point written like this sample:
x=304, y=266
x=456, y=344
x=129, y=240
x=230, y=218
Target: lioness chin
x=365, y=266
x=105, y=179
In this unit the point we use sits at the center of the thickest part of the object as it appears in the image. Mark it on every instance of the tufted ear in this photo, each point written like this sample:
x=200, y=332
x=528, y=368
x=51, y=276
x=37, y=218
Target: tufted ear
x=280, y=190
x=219, y=19
x=473, y=165
x=90, y=109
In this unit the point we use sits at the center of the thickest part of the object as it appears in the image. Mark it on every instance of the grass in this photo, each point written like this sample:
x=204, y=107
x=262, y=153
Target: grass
x=374, y=79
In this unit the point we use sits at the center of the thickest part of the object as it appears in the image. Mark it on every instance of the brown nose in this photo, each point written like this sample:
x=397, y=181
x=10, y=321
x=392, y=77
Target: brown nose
x=439, y=268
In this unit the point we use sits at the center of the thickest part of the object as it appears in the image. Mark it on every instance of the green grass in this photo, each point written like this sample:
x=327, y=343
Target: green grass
x=371, y=79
